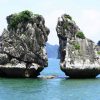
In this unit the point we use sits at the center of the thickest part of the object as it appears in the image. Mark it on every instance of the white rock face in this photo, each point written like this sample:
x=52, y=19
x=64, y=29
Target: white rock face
x=9, y=65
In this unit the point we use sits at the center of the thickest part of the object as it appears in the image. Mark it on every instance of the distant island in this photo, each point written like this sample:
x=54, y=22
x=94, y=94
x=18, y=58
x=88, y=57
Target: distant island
x=52, y=50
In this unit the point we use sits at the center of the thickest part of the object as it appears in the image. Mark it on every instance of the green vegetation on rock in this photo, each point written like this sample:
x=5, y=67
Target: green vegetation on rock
x=98, y=52
x=65, y=26
x=80, y=35
x=14, y=19
x=77, y=46
x=68, y=16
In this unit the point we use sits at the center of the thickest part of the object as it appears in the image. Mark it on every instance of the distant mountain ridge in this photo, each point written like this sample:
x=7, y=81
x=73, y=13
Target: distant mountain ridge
x=52, y=50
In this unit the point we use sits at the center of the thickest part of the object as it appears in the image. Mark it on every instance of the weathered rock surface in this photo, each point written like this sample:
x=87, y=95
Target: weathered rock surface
x=22, y=45
x=79, y=56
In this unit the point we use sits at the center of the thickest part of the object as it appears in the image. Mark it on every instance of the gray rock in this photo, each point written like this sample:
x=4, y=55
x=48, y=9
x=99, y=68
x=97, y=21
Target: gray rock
x=24, y=40
x=14, y=61
x=77, y=53
x=4, y=59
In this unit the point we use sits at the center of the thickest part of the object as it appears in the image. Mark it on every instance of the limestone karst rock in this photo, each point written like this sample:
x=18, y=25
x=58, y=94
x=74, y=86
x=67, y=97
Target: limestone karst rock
x=79, y=57
x=22, y=45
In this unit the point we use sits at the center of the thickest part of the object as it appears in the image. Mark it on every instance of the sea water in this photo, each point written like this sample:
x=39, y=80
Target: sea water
x=60, y=88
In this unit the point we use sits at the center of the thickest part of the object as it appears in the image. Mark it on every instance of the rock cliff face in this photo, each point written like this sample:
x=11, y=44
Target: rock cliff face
x=22, y=45
x=79, y=55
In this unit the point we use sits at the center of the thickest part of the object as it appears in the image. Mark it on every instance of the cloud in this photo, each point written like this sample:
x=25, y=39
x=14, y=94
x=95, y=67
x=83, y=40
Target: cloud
x=89, y=22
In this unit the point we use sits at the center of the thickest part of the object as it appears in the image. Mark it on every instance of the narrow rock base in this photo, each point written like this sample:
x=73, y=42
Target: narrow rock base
x=19, y=72
x=81, y=73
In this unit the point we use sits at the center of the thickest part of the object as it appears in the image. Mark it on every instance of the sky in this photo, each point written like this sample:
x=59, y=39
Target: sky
x=86, y=14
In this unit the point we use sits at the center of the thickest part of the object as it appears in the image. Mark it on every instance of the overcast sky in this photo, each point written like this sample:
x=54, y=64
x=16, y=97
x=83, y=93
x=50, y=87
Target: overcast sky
x=86, y=14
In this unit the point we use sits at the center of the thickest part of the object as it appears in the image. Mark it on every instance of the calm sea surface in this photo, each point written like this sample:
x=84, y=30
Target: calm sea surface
x=50, y=89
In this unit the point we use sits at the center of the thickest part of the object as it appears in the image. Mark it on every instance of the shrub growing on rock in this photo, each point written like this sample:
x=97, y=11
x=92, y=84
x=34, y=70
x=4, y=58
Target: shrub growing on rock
x=67, y=16
x=77, y=46
x=15, y=19
x=80, y=35
x=98, y=52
